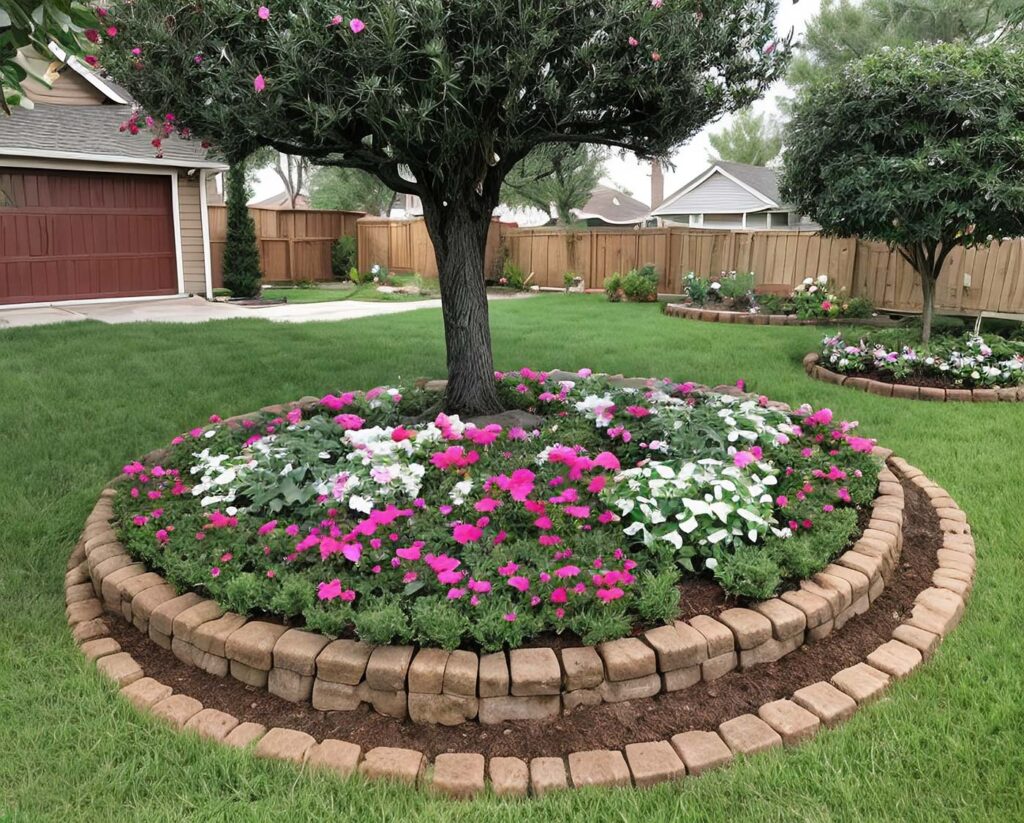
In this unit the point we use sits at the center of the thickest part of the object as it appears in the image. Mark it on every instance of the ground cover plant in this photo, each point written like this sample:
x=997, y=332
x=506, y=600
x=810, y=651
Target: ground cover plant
x=899, y=356
x=944, y=743
x=354, y=515
x=813, y=297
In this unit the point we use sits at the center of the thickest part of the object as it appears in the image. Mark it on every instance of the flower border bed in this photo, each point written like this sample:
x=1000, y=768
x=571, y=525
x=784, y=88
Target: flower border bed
x=726, y=316
x=1010, y=394
x=936, y=612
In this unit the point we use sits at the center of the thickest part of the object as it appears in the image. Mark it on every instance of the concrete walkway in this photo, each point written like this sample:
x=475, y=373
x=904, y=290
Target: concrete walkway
x=198, y=310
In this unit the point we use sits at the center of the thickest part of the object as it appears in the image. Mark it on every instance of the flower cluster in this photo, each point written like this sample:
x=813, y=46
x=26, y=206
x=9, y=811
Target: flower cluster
x=968, y=361
x=814, y=297
x=350, y=515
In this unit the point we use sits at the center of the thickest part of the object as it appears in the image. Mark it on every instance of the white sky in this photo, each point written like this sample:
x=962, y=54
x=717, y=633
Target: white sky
x=625, y=172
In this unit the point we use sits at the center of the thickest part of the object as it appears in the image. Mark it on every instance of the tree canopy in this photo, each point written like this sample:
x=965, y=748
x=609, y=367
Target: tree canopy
x=751, y=138
x=555, y=178
x=443, y=99
x=920, y=148
x=349, y=190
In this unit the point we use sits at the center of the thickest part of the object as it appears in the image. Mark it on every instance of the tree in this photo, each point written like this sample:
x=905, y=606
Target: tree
x=350, y=190
x=292, y=170
x=918, y=148
x=35, y=24
x=555, y=178
x=442, y=100
x=750, y=138
x=242, y=274
x=847, y=30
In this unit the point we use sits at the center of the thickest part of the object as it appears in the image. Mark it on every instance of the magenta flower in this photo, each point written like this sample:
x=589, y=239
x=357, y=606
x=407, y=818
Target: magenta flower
x=519, y=583
x=111, y=31
x=263, y=13
x=466, y=533
x=634, y=42
x=215, y=571
x=337, y=20
x=356, y=25
x=510, y=617
x=259, y=83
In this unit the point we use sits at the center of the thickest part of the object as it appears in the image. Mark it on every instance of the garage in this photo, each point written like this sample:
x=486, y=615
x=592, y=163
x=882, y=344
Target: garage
x=72, y=235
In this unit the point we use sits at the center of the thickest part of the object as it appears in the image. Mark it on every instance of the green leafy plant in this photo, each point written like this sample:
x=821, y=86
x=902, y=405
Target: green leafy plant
x=613, y=287
x=242, y=273
x=343, y=256
x=512, y=276
x=640, y=287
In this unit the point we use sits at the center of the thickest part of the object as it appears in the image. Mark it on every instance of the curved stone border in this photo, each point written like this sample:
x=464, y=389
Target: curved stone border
x=430, y=685
x=1008, y=394
x=936, y=612
x=743, y=317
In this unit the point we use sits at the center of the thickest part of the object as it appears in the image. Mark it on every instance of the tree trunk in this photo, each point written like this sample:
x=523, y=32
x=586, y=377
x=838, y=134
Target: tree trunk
x=459, y=235
x=928, y=293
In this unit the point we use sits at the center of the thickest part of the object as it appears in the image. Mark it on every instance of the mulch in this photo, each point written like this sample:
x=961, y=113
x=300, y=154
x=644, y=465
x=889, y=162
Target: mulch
x=926, y=381
x=609, y=725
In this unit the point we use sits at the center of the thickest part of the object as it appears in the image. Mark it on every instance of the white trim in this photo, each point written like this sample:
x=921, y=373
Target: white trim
x=120, y=159
x=89, y=75
x=177, y=234
x=5, y=307
x=702, y=178
x=205, y=217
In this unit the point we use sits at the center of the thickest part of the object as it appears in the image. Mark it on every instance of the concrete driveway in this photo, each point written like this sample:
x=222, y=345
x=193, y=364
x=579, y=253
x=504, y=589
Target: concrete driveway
x=198, y=310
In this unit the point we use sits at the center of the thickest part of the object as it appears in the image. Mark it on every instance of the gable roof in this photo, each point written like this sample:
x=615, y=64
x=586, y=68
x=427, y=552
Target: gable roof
x=281, y=200
x=760, y=182
x=612, y=206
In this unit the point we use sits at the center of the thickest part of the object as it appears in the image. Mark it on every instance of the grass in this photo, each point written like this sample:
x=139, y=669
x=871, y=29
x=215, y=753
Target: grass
x=79, y=400
x=362, y=292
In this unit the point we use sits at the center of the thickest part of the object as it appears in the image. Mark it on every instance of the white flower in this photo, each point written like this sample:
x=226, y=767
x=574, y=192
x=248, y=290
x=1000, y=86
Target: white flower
x=711, y=563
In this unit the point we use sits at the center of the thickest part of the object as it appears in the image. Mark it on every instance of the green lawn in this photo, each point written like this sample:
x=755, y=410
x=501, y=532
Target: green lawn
x=362, y=292
x=79, y=400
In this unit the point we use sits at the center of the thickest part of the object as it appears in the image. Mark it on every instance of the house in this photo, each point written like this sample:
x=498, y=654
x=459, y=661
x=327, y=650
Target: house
x=731, y=196
x=609, y=207
x=88, y=212
x=281, y=200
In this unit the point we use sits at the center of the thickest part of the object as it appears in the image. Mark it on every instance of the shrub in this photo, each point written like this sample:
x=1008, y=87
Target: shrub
x=735, y=285
x=343, y=256
x=512, y=276
x=613, y=287
x=857, y=307
x=242, y=273
x=749, y=571
x=770, y=304
x=639, y=287
x=698, y=289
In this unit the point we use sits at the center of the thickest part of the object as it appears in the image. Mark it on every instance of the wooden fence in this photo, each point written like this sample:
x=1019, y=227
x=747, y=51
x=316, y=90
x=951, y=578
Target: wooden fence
x=403, y=246
x=295, y=244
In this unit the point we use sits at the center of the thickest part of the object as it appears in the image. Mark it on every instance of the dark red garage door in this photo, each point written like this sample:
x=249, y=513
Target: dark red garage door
x=80, y=235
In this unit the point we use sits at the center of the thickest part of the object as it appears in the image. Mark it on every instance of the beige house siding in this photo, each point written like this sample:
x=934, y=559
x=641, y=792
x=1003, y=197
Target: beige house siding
x=68, y=89
x=190, y=222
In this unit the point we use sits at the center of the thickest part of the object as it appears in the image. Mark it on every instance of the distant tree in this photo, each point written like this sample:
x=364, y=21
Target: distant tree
x=291, y=169
x=750, y=138
x=442, y=99
x=555, y=178
x=918, y=148
x=846, y=30
x=35, y=24
x=349, y=190
x=242, y=274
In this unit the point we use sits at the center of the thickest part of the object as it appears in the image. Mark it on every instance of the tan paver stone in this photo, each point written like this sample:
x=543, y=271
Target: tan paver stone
x=599, y=767
x=212, y=724
x=146, y=692
x=285, y=744
x=460, y=674
x=719, y=637
x=793, y=722
x=627, y=659
x=678, y=679
x=253, y=644
x=534, y=707
x=787, y=620
x=80, y=591
x=547, y=774
x=671, y=650
x=583, y=668
x=343, y=661
x=924, y=642
x=145, y=602
x=340, y=756
x=335, y=697
x=715, y=667
x=387, y=667
x=177, y=709
x=770, y=651
x=652, y=763
x=297, y=650
x=458, y=775
x=894, y=658
x=535, y=672
x=749, y=734
x=100, y=647
x=749, y=628
x=245, y=734
x=618, y=691
x=493, y=678
x=385, y=762
x=185, y=623
x=861, y=681
x=426, y=672
x=84, y=610
x=90, y=629
x=289, y=685
x=120, y=667
x=816, y=609
x=110, y=588
x=447, y=709
x=827, y=702
x=701, y=751
x=510, y=776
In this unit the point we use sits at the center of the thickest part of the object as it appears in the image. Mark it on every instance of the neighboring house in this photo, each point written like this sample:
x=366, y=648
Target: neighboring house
x=609, y=207
x=88, y=212
x=731, y=196
x=281, y=200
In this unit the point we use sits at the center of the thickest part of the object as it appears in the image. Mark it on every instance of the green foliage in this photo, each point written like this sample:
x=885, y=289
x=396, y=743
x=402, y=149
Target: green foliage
x=512, y=276
x=344, y=255
x=736, y=285
x=613, y=287
x=858, y=307
x=241, y=255
x=809, y=551
x=659, y=596
x=381, y=621
x=555, y=178
x=598, y=625
x=349, y=190
x=641, y=285
x=697, y=289
x=435, y=623
x=749, y=571
x=751, y=138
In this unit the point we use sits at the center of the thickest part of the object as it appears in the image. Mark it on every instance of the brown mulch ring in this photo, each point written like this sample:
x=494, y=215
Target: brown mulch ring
x=609, y=725
x=925, y=381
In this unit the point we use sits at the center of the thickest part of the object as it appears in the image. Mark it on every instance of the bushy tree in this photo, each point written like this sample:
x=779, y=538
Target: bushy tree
x=555, y=178
x=442, y=98
x=919, y=148
x=241, y=254
x=750, y=138
x=350, y=190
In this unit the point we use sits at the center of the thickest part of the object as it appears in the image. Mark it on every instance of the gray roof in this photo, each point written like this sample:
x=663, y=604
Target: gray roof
x=613, y=206
x=90, y=131
x=763, y=180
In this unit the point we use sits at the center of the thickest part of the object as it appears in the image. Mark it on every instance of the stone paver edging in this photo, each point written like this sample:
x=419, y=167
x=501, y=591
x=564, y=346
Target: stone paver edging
x=99, y=568
x=757, y=319
x=1008, y=394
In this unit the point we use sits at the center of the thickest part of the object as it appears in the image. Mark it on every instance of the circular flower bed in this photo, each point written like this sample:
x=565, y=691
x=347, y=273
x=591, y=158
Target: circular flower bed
x=364, y=514
x=966, y=362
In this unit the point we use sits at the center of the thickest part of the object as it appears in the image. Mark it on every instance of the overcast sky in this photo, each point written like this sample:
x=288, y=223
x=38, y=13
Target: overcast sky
x=626, y=172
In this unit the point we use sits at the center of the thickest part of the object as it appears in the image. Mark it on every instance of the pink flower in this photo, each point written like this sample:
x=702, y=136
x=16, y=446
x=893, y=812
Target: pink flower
x=743, y=459
x=769, y=47
x=271, y=574
x=655, y=56
x=507, y=569
x=226, y=557
x=638, y=411
x=259, y=83
x=329, y=591
x=348, y=422
x=519, y=583
x=263, y=13
x=92, y=35
x=294, y=416
x=559, y=595
x=782, y=501
x=111, y=31
x=466, y=533
x=608, y=595
x=136, y=51
x=634, y=42
x=337, y=20
x=486, y=504
x=267, y=527
x=215, y=571
x=657, y=3
x=356, y=25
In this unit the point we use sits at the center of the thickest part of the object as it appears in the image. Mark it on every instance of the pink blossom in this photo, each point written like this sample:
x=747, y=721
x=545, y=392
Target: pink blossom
x=329, y=591
x=349, y=422
x=486, y=504
x=336, y=402
x=267, y=527
x=455, y=594
x=634, y=42
x=337, y=20
x=479, y=586
x=356, y=25
x=510, y=617
x=111, y=31
x=567, y=571
x=608, y=595
x=215, y=571
x=259, y=83
x=508, y=569
x=466, y=533
x=743, y=459
x=519, y=583
x=782, y=501
x=226, y=557
x=263, y=13
x=559, y=595
x=581, y=512
x=657, y=3
x=294, y=416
